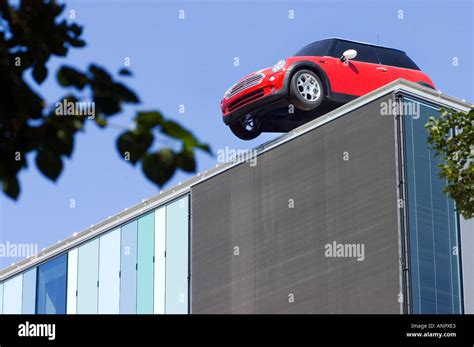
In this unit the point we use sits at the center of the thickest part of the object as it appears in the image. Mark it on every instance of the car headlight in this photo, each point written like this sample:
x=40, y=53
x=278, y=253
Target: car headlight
x=278, y=66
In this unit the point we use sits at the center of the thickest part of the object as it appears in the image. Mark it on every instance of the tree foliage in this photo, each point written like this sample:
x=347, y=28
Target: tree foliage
x=452, y=137
x=31, y=33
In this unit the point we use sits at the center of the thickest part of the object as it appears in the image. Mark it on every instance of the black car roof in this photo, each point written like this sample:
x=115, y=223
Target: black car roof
x=359, y=42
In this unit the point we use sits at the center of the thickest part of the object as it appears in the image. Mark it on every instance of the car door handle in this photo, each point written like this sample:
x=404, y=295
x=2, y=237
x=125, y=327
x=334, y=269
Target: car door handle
x=383, y=69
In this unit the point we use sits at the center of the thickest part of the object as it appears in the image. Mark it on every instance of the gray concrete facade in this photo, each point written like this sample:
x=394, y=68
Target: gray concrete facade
x=259, y=234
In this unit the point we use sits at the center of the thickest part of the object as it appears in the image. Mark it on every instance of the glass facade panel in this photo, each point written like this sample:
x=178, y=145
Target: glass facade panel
x=109, y=271
x=160, y=265
x=432, y=222
x=177, y=229
x=1, y=298
x=71, y=306
x=29, y=292
x=146, y=231
x=141, y=268
x=128, y=268
x=12, y=295
x=51, y=286
x=88, y=277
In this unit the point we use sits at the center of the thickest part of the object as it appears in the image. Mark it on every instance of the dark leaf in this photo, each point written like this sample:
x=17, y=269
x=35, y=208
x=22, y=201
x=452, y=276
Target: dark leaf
x=100, y=74
x=49, y=163
x=101, y=122
x=205, y=147
x=186, y=161
x=68, y=76
x=40, y=72
x=77, y=43
x=107, y=105
x=159, y=167
x=125, y=93
x=11, y=187
x=132, y=146
x=65, y=142
x=125, y=72
x=76, y=29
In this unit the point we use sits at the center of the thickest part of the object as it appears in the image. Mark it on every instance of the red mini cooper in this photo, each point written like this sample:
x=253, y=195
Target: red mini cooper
x=317, y=79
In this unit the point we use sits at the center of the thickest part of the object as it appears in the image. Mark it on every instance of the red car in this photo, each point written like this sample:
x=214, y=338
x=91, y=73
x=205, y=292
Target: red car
x=332, y=70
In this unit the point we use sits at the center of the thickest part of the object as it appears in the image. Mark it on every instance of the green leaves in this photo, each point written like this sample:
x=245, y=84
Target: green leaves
x=133, y=145
x=148, y=120
x=176, y=131
x=49, y=163
x=69, y=77
x=36, y=32
x=456, y=150
x=108, y=94
x=160, y=166
x=185, y=161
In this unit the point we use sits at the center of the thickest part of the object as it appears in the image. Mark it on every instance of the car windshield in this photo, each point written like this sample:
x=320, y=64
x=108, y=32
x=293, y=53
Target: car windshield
x=320, y=48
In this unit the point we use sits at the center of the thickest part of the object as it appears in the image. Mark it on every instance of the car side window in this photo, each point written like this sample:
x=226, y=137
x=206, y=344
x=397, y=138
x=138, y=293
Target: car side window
x=319, y=48
x=395, y=58
x=365, y=53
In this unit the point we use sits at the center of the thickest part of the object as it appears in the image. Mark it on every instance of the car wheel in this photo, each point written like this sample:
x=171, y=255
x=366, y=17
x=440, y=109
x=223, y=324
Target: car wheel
x=306, y=90
x=246, y=128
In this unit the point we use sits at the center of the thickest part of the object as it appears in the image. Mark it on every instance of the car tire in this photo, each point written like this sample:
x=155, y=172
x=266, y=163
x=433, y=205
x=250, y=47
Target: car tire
x=306, y=90
x=246, y=128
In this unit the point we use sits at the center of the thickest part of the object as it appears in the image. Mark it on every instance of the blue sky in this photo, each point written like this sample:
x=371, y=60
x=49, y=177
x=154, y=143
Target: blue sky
x=190, y=62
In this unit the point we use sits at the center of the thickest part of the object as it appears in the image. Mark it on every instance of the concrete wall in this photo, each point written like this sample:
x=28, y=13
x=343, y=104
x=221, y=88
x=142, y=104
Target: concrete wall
x=281, y=265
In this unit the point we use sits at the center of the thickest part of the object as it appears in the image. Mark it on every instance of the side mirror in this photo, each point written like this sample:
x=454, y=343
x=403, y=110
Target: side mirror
x=349, y=54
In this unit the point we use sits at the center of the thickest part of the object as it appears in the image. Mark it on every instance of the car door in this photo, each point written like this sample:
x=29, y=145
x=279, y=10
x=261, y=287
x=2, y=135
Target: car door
x=400, y=65
x=360, y=75
x=391, y=59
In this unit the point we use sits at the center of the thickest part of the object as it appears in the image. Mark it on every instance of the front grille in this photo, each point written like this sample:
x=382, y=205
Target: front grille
x=246, y=83
x=245, y=99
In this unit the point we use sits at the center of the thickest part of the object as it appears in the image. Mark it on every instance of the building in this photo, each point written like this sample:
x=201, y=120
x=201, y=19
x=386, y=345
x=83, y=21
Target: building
x=344, y=214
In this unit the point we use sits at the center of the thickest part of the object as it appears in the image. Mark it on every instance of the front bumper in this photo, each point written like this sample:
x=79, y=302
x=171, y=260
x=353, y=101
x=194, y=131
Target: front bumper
x=271, y=90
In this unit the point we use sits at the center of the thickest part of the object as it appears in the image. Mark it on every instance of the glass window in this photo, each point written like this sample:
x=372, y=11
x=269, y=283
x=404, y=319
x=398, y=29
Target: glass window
x=365, y=53
x=393, y=57
x=88, y=277
x=146, y=230
x=432, y=222
x=51, y=286
x=29, y=292
x=128, y=268
x=109, y=271
x=319, y=49
x=12, y=295
x=1, y=298
x=160, y=265
x=177, y=230
x=71, y=306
